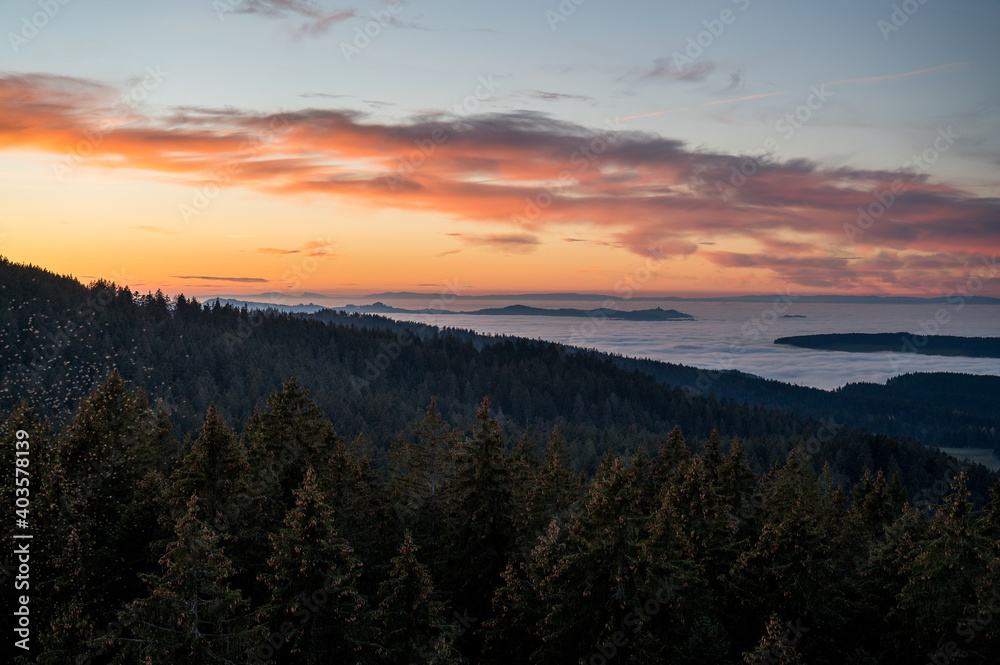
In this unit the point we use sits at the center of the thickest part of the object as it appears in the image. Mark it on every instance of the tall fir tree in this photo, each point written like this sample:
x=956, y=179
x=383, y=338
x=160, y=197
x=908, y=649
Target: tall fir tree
x=313, y=577
x=412, y=621
x=191, y=614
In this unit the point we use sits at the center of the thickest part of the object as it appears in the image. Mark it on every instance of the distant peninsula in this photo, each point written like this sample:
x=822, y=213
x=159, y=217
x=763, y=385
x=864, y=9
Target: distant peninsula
x=900, y=342
x=655, y=314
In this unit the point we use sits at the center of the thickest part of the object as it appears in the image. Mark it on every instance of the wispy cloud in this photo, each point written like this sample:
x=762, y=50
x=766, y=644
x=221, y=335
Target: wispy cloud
x=323, y=94
x=663, y=69
x=273, y=250
x=212, y=278
x=316, y=19
x=512, y=242
x=312, y=248
x=929, y=70
x=559, y=96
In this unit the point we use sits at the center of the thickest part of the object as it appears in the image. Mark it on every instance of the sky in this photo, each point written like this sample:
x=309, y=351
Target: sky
x=339, y=147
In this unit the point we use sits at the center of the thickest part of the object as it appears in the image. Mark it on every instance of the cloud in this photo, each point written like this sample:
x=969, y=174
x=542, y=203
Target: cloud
x=312, y=248
x=559, y=96
x=951, y=66
x=638, y=191
x=322, y=94
x=663, y=69
x=220, y=279
x=513, y=242
x=316, y=19
x=272, y=250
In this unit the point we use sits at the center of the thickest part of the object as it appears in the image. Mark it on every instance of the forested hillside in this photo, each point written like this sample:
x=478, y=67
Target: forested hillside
x=192, y=502
x=286, y=544
x=370, y=375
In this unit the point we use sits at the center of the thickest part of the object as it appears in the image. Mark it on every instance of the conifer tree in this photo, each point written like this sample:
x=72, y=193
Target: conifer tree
x=312, y=576
x=947, y=571
x=215, y=468
x=283, y=440
x=480, y=516
x=590, y=590
x=796, y=567
x=103, y=519
x=191, y=614
x=673, y=454
x=413, y=625
x=775, y=647
x=418, y=473
x=551, y=493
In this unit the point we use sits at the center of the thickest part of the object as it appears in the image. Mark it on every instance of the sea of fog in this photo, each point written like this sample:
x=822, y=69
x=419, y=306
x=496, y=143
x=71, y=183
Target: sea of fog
x=736, y=335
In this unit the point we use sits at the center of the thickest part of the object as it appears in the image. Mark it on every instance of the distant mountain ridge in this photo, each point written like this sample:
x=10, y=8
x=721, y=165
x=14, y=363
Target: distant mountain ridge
x=815, y=299
x=655, y=314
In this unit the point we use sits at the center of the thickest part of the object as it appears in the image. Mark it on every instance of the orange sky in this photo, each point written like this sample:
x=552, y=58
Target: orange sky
x=208, y=201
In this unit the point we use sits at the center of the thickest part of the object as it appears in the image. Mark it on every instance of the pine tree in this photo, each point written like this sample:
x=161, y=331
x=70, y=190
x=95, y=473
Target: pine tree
x=418, y=473
x=775, y=647
x=947, y=571
x=312, y=576
x=191, y=614
x=480, y=516
x=549, y=495
x=215, y=468
x=589, y=585
x=673, y=454
x=98, y=500
x=796, y=567
x=282, y=441
x=412, y=622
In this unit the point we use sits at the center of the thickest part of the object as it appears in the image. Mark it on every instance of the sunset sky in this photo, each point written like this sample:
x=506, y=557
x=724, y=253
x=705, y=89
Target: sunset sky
x=731, y=146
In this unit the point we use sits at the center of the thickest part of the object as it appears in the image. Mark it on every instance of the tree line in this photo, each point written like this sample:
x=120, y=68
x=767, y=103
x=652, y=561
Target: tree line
x=287, y=543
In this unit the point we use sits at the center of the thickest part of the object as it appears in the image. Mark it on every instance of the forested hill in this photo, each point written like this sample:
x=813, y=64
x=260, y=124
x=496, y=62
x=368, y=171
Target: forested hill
x=899, y=342
x=371, y=375
x=465, y=542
